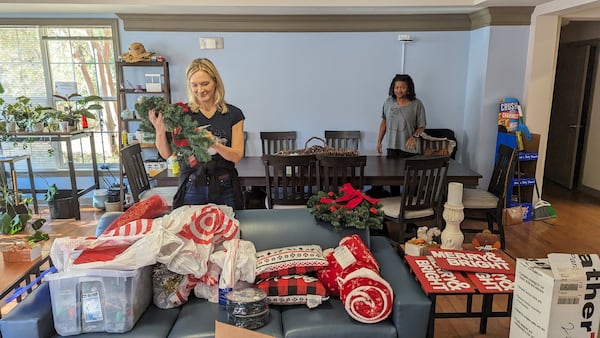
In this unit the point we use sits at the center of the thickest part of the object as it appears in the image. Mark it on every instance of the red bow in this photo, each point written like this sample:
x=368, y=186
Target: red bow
x=178, y=140
x=352, y=196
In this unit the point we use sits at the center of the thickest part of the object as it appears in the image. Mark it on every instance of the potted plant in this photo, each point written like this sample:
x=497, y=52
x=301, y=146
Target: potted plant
x=76, y=106
x=15, y=214
x=59, y=203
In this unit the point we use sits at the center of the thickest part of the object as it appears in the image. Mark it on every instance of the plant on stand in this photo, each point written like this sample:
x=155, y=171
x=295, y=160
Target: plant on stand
x=76, y=107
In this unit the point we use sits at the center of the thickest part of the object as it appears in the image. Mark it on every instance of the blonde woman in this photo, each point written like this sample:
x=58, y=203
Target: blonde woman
x=215, y=181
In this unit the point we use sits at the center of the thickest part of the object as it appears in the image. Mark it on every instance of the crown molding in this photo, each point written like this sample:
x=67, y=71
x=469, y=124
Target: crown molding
x=326, y=23
x=501, y=16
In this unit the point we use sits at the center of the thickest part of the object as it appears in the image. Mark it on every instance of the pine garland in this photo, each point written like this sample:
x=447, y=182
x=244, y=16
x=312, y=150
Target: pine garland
x=347, y=208
x=189, y=140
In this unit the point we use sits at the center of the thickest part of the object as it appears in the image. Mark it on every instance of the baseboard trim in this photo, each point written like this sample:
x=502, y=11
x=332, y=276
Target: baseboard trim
x=590, y=191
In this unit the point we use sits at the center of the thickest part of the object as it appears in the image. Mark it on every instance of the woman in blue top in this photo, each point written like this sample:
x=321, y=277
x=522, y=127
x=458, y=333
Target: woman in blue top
x=402, y=118
x=215, y=181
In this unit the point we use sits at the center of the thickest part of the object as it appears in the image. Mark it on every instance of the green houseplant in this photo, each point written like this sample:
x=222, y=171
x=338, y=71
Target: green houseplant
x=24, y=113
x=15, y=215
x=59, y=202
x=75, y=106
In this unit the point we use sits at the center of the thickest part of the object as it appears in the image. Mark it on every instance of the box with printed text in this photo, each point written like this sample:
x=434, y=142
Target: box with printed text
x=556, y=297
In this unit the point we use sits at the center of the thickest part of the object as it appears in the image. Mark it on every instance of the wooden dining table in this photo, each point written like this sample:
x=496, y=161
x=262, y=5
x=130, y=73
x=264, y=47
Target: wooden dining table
x=380, y=170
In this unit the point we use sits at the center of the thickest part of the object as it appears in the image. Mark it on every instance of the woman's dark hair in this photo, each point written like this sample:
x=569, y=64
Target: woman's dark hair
x=411, y=95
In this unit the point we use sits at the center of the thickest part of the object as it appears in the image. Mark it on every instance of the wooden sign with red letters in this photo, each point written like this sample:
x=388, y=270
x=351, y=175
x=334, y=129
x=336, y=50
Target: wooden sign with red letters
x=474, y=261
x=436, y=280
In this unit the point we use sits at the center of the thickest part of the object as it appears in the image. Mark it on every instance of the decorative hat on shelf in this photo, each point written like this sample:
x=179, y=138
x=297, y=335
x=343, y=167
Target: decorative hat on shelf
x=137, y=53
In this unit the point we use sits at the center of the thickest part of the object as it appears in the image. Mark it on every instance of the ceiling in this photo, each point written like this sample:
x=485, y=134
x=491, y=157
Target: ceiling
x=246, y=7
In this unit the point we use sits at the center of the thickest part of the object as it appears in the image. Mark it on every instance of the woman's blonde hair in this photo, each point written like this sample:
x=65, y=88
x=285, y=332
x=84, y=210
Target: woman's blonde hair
x=203, y=64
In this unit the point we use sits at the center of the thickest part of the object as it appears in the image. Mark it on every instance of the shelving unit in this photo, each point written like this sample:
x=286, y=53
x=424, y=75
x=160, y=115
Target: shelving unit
x=136, y=71
x=130, y=76
x=525, y=182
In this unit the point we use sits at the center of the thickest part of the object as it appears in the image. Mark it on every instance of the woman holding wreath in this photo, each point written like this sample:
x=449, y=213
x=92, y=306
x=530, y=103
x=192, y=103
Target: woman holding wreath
x=215, y=181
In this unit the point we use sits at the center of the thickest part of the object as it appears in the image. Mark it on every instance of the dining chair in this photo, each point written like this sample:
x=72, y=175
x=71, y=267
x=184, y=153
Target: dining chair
x=289, y=180
x=135, y=171
x=490, y=202
x=334, y=171
x=425, y=182
x=275, y=141
x=347, y=139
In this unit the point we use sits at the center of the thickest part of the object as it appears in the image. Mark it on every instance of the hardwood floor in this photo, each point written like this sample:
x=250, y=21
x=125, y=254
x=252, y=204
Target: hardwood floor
x=573, y=231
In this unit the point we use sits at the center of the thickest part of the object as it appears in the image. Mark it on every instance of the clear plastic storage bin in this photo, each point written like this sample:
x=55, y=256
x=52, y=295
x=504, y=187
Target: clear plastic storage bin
x=97, y=300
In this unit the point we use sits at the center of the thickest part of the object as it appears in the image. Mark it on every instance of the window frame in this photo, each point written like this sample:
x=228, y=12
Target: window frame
x=50, y=101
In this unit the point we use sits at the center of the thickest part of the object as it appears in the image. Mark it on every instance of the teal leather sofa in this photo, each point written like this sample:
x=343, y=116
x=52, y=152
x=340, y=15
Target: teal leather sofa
x=266, y=229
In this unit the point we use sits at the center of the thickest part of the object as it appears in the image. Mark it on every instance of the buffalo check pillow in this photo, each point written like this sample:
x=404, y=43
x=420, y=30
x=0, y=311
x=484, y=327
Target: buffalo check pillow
x=294, y=289
x=291, y=260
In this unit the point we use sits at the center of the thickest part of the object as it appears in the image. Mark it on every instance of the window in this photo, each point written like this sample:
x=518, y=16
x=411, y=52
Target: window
x=38, y=54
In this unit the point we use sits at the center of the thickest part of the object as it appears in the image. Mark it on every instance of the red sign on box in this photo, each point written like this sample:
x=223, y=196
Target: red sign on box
x=436, y=280
x=492, y=282
x=475, y=261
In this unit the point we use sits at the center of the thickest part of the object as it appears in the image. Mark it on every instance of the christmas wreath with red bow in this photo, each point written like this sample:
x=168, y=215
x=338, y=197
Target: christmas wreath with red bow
x=348, y=207
x=188, y=139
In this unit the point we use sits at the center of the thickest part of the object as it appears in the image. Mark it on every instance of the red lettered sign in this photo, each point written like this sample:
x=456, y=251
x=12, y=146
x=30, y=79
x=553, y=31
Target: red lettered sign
x=436, y=280
x=492, y=282
x=475, y=261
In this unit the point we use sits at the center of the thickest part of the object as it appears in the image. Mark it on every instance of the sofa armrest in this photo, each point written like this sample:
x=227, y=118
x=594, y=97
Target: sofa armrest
x=412, y=307
x=32, y=317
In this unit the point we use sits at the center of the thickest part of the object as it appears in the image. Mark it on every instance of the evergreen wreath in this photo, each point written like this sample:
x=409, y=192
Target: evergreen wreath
x=188, y=139
x=348, y=207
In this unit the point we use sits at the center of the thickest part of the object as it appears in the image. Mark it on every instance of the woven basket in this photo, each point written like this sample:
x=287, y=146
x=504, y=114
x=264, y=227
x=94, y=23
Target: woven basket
x=318, y=150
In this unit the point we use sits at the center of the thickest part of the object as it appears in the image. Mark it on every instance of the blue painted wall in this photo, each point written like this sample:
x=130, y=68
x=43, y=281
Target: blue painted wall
x=310, y=82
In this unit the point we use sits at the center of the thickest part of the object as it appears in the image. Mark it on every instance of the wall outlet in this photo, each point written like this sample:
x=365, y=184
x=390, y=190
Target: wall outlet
x=211, y=43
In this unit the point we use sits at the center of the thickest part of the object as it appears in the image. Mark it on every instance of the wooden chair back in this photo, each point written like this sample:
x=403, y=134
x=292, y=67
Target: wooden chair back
x=274, y=141
x=347, y=139
x=334, y=171
x=425, y=181
x=504, y=169
x=133, y=163
x=290, y=180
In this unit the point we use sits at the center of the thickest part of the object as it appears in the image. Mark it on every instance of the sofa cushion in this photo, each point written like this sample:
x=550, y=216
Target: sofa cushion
x=32, y=317
x=197, y=319
x=265, y=229
x=331, y=320
x=292, y=260
x=294, y=289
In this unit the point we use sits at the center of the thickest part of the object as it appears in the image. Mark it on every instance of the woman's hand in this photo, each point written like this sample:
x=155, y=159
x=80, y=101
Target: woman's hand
x=411, y=142
x=157, y=120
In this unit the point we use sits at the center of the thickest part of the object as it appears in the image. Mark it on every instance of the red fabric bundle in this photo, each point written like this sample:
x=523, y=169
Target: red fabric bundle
x=363, y=258
x=152, y=207
x=353, y=275
x=367, y=297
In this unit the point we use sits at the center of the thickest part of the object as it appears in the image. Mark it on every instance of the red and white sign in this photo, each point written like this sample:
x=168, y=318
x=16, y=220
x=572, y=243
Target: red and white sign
x=492, y=282
x=436, y=280
x=475, y=261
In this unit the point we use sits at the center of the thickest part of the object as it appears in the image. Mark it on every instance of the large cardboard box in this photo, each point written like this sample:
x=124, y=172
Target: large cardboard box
x=556, y=297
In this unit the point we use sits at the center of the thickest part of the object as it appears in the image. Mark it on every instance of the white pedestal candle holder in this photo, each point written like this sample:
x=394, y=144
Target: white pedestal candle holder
x=452, y=236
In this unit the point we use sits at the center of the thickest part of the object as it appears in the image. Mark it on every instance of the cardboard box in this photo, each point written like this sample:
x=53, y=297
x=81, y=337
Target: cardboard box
x=560, y=301
x=223, y=330
x=27, y=253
